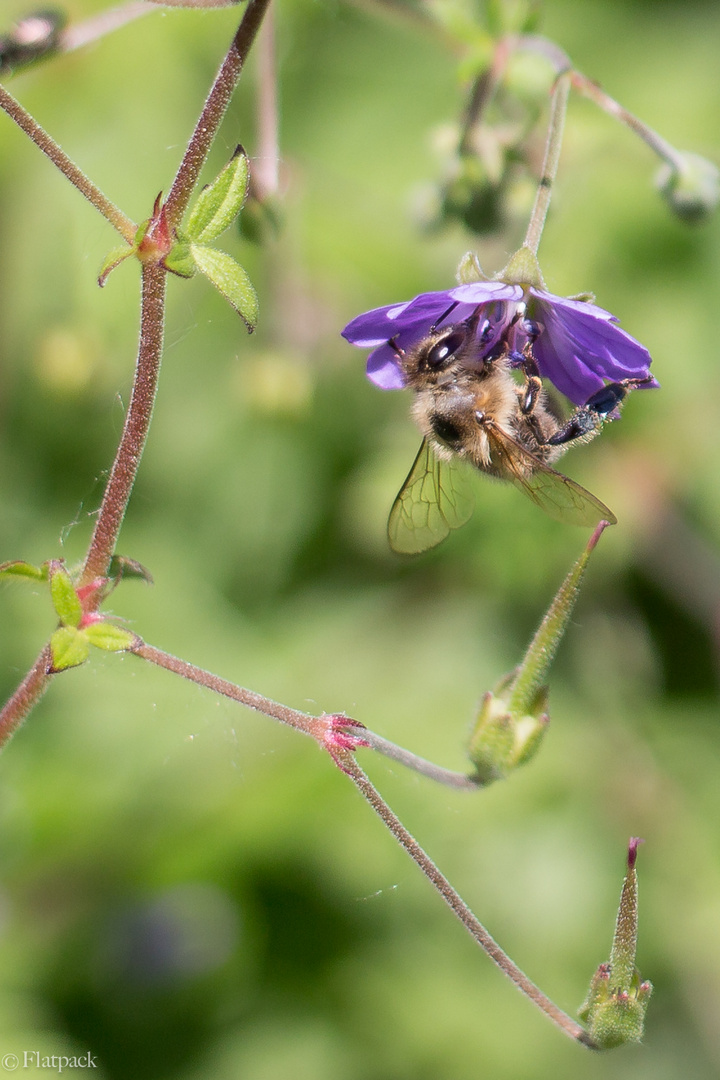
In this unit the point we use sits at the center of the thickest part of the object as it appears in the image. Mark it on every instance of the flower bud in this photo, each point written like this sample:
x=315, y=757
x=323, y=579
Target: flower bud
x=617, y=1000
x=502, y=740
x=692, y=188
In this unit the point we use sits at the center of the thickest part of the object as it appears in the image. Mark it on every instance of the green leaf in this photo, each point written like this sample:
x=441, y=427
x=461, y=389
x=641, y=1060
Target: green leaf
x=179, y=260
x=220, y=202
x=18, y=568
x=105, y=635
x=65, y=599
x=68, y=648
x=230, y=279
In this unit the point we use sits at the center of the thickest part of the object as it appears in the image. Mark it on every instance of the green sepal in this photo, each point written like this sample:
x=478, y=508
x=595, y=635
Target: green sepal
x=123, y=567
x=615, y=1017
x=583, y=297
x=219, y=203
x=469, y=270
x=18, y=568
x=108, y=636
x=501, y=741
x=65, y=599
x=523, y=269
x=230, y=279
x=502, y=18
x=68, y=648
x=112, y=260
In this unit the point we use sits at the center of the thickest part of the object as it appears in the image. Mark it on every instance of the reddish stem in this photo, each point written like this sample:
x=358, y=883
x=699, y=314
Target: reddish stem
x=137, y=424
x=458, y=906
x=213, y=112
x=300, y=721
x=67, y=166
x=28, y=693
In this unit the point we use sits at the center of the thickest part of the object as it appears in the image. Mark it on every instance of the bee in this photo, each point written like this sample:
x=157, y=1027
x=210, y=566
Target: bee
x=472, y=409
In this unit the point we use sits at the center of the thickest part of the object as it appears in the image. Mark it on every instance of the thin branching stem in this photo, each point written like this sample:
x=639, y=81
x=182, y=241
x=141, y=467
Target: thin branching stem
x=213, y=112
x=419, y=764
x=139, y=415
x=137, y=424
x=657, y=144
x=303, y=722
x=562, y=64
x=67, y=167
x=458, y=906
x=300, y=721
x=558, y=109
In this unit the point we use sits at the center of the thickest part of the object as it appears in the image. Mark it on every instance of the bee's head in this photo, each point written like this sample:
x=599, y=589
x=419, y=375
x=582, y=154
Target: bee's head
x=453, y=349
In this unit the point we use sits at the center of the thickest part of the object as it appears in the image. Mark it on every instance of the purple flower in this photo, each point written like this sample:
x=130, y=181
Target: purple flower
x=577, y=346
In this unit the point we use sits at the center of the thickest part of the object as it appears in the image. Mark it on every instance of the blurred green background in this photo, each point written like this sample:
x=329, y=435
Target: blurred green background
x=189, y=890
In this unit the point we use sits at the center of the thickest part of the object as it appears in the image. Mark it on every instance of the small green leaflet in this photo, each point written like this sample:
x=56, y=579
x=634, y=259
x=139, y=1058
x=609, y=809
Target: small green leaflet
x=219, y=203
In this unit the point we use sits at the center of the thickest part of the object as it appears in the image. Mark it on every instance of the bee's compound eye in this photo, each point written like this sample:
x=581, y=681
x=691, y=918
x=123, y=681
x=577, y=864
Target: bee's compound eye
x=443, y=351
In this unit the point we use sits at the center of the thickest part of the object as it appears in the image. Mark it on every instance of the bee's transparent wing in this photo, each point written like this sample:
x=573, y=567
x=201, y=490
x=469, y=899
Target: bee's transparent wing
x=560, y=497
x=435, y=498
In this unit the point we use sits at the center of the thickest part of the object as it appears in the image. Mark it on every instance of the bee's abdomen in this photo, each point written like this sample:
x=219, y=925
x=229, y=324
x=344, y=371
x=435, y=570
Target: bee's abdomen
x=446, y=431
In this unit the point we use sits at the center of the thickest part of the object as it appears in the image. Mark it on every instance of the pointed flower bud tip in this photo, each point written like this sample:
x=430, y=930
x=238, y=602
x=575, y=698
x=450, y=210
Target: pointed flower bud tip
x=635, y=841
x=599, y=530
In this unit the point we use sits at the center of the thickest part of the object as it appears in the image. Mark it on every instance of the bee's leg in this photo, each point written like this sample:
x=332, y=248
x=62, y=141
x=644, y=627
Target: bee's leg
x=587, y=420
x=529, y=393
x=533, y=385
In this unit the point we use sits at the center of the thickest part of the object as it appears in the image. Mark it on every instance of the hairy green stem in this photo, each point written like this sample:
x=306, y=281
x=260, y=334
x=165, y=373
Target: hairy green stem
x=558, y=108
x=418, y=764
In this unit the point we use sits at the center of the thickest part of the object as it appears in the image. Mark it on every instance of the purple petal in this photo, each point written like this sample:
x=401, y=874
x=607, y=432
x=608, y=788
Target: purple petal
x=370, y=328
x=383, y=369
x=378, y=326
x=580, y=347
x=485, y=292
